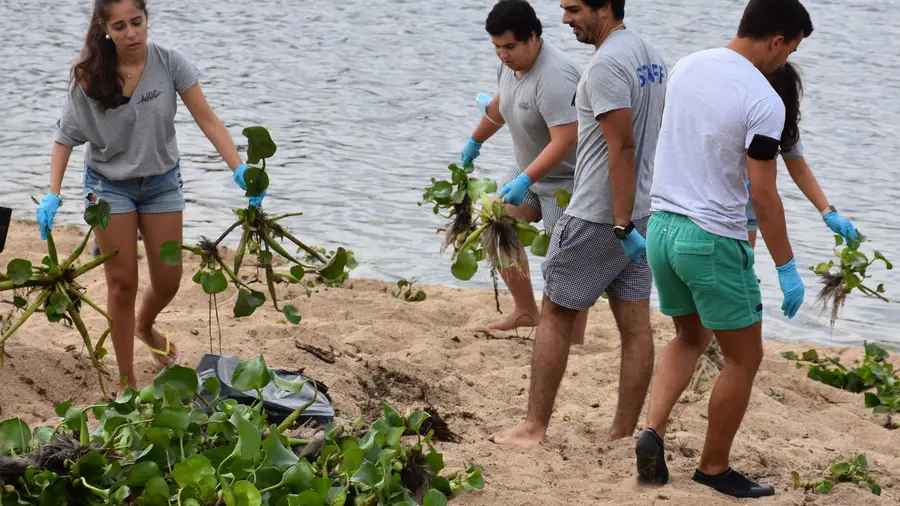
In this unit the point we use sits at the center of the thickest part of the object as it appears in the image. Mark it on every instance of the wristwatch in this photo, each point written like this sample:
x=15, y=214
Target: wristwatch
x=622, y=232
x=828, y=210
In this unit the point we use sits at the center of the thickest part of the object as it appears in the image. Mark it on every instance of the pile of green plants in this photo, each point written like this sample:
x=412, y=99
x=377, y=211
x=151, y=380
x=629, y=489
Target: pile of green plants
x=874, y=372
x=480, y=228
x=855, y=471
x=840, y=278
x=166, y=445
x=262, y=236
x=52, y=288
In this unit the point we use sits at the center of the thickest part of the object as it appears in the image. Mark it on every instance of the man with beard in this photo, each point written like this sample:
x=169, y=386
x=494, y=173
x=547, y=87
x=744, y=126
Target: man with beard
x=722, y=125
x=536, y=81
x=598, y=245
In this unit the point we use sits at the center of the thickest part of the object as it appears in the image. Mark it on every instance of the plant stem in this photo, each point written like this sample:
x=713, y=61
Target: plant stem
x=79, y=324
x=296, y=241
x=283, y=216
x=472, y=238
x=208, y=405
x=96, y=308
x=296, y=414
x=239, y=254
x=94, y=263
x=271, y=282
x=34, y=281
x=298, y=442
x=27, y=314
x=77, y=252
x=233, y=276
x=280, y=249
x=868, y=291
x=51, y=248
x=228, y=231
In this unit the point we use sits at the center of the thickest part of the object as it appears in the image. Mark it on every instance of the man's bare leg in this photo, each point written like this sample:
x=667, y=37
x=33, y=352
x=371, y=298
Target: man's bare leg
x=525, y=313
x=636, y=365
x=548, y=364
x=579, y=328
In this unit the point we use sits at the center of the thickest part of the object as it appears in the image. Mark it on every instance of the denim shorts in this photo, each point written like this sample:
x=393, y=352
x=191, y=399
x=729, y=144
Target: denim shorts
x=146, y=195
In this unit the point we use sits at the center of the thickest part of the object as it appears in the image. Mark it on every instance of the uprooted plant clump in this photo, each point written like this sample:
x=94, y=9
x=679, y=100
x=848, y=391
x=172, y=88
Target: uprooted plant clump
x=855, y=471
x=840, y=279
x=167, y=445
x=261, y=236
x=58, y=294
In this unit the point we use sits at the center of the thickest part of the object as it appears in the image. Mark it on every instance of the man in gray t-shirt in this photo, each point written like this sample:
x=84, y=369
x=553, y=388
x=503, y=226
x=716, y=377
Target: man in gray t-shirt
x=597, y=246
x=536, y=82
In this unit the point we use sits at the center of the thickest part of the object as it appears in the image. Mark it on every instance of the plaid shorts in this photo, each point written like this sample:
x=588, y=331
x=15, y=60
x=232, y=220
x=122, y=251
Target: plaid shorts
x=586, y=259
x=549, y=208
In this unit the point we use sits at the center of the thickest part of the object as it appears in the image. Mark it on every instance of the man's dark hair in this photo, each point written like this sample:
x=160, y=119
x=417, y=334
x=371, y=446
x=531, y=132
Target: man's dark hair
x=515, y=16
x=768, y=18
x=617, y=6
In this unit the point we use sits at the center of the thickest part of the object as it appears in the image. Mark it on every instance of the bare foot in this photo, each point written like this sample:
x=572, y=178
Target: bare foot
x=156, y=341
x=519, y=318
x=615, y=435
x=524, y=434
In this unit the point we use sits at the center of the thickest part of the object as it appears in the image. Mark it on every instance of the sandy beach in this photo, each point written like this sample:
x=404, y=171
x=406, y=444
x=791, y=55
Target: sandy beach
x=440, y=353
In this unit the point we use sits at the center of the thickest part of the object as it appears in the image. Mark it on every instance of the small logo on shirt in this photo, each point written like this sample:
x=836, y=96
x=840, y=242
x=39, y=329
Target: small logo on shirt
x=524, y=106
x=150, y=95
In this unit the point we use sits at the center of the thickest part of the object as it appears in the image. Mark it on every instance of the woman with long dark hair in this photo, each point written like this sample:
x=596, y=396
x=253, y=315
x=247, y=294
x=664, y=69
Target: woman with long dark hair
x=121, y=103
x=787, y=82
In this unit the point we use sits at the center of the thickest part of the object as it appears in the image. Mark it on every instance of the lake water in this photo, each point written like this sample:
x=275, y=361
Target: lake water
x=368, y=99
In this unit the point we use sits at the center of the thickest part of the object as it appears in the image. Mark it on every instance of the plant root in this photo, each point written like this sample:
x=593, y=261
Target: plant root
x=832, y=294
x=502, y=248
x=461, y=223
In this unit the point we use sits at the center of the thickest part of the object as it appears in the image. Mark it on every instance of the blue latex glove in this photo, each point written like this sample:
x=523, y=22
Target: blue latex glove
x=239, y=179
x=840, y=225
x=470, y=152
x=515, y=190
x=635, y=245
x=483, y=100
x=46, y=211
x=792, y=287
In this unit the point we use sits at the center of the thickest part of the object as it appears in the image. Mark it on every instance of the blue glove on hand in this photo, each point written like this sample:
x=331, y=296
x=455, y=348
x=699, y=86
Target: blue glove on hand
x=46, y=211
x=840, y=225
x=635, y=245
x=515, y=190
x=239, y=179
x=792, y=287
x=470, y=152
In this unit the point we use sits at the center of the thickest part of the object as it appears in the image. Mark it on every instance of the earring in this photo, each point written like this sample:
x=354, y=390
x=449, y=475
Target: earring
x=107, y=36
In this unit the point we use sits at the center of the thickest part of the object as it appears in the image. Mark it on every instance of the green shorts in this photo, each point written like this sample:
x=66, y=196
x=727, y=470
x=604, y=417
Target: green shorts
x=698, y=272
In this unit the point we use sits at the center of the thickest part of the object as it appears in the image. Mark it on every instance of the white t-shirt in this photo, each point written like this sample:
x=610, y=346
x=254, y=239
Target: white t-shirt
x=716, y=102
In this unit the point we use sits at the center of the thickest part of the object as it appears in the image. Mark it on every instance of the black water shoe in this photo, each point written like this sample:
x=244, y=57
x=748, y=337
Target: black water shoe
x=733, y=483
x=651, y=458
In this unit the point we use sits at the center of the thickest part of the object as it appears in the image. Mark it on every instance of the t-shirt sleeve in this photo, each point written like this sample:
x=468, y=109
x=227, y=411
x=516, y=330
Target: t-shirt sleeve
x=795, y=153
x=766, y=118
x=184, y=73
x=554, y=98
x=608, y=87
x=68, y=127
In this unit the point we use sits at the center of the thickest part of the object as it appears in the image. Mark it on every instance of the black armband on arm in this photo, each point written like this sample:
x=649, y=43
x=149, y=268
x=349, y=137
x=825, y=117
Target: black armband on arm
x=763, y=148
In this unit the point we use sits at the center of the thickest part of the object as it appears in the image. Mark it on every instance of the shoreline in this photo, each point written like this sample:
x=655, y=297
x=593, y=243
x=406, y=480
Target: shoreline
x=439, y=353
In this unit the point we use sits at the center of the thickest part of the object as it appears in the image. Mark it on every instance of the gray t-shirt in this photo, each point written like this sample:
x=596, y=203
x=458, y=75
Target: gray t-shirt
x=534, y=103
x=625, y=72
x=137, y=138
x=795, y=153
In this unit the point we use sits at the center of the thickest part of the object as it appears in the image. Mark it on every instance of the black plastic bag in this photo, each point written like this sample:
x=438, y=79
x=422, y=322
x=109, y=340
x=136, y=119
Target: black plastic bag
x=278, y=403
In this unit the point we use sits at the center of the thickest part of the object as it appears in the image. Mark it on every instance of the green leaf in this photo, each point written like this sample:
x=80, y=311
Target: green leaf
x=213, y=386
x=243, y=493
x=442, y=484
x=257, y=181
x=838, y=240
x=120, y=494
x=367, y=475
x=465, y=266
x=527, y=233
x=887, y=262
x=191, y=471
x=141, y=473
x=790, y=355
x=862, y=462
x=265, y=257
x=156, y=492
x=298, y=272
x=541, y=244
x=441, y=190
x=277, y=455
x=175, y=418
x=436, y=462
x=183, y=380
x=335, y=267
x=291, y=313
x=249, y=438
x=351, y=460
x=294, y=387
x=435, y=497
x=562, y=197
x=97, y=215
x=213, y=282
x=43, y=435
x=299, y=477
x=63, y=407
x=416, y=418
x=15, y=436
x=306, y=498
x=22, y=302
x=875, y=488
x=56, y=307
x=251, y=375
x=247, y=302
x=476, y=480
x=170, y=252
x=825, y=487
x=18, y=271
x=259, y=144
x=392, y=438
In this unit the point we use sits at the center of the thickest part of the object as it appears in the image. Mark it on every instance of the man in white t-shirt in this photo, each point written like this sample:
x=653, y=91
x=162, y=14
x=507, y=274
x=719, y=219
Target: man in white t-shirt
x=722, y=123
